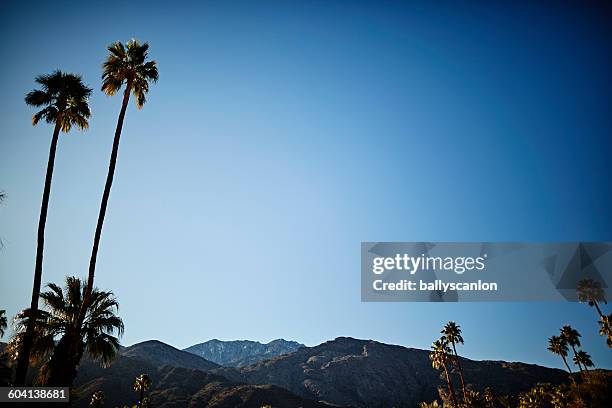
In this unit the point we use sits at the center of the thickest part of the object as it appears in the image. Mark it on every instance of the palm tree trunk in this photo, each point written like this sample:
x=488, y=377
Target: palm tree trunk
x=577, y=360
x=28, y=338
x=103, y=206
x=598, y=309
x=450, y=386
x=460, y=372
x=141, y=397
x=569, y=369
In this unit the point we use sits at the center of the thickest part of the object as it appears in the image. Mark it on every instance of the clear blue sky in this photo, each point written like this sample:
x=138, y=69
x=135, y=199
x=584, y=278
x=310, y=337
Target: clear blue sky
x=282, y=134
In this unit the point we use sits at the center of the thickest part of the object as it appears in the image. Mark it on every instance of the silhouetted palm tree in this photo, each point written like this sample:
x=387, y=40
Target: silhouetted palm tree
x=3, y=322
x=64, y=99
x=60, y=359
x=126, y=65
x=572, y=338
x=141, y=384
x=97, y=399
x=583, y=358
x=452, y=332
x=439, y=357
x=557, y=345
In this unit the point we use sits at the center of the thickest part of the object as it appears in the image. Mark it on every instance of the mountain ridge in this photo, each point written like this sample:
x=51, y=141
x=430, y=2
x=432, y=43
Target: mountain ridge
x=365, y=373
x=239, y=353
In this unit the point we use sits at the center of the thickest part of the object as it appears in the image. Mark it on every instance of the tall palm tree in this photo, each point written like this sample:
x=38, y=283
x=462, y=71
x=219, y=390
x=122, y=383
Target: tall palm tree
x=572, y=338
x=452, y=333
x=3, y=322
x=557, y=345
x=141, y=384
x=126, y=65
x=439, y=357
x=60, y=358
x=64, y=101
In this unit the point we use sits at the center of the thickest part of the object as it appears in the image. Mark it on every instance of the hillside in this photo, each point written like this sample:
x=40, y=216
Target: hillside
x=365, y=373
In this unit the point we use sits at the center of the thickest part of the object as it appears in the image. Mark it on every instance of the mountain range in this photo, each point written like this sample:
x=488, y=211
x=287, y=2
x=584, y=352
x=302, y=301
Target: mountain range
x=340, y=372
x=242, y=352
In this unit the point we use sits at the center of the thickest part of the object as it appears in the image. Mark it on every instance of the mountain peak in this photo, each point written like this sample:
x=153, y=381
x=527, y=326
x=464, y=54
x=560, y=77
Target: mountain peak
x=162, y=353
x=239, y=353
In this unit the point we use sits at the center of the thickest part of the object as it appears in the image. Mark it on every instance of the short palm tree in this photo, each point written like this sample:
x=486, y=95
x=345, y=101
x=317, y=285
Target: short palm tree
x=58, y=346
x=126, y=65
x=141, y=384
x=452, y=333
x=64, y=101
x=557, y=345
x=572, y=338
x=97, y=399
x=3, y=322
x=583, y=358
x=439, y=358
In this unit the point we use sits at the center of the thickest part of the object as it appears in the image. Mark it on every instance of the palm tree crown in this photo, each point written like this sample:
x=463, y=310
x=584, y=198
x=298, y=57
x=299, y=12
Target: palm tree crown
x=605, y=328
x=142, y=383
x=62, y=309
x=97, y=399
x=590, y=291
x=584, y=358
x=557, y=345
x=64, y=99
x=571, y=336
x=452, y=332
x=439, y=352
x=127, y=64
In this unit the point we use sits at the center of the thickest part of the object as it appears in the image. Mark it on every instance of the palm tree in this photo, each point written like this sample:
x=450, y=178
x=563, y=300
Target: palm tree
x=141, y=384
x=60, y=358
x=126, y=65
x=584, y=358
x=439, y=356
x=591, y=292
x=572, y=338
x=64, y=101
x=97, y=399
x=452, y=332
x=3, y=322
x=489, y=397
x=557, y=345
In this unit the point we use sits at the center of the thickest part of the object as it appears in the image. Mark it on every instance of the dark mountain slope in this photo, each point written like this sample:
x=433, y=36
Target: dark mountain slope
x=158, y=354
x=174, y=386
x=364, y=373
